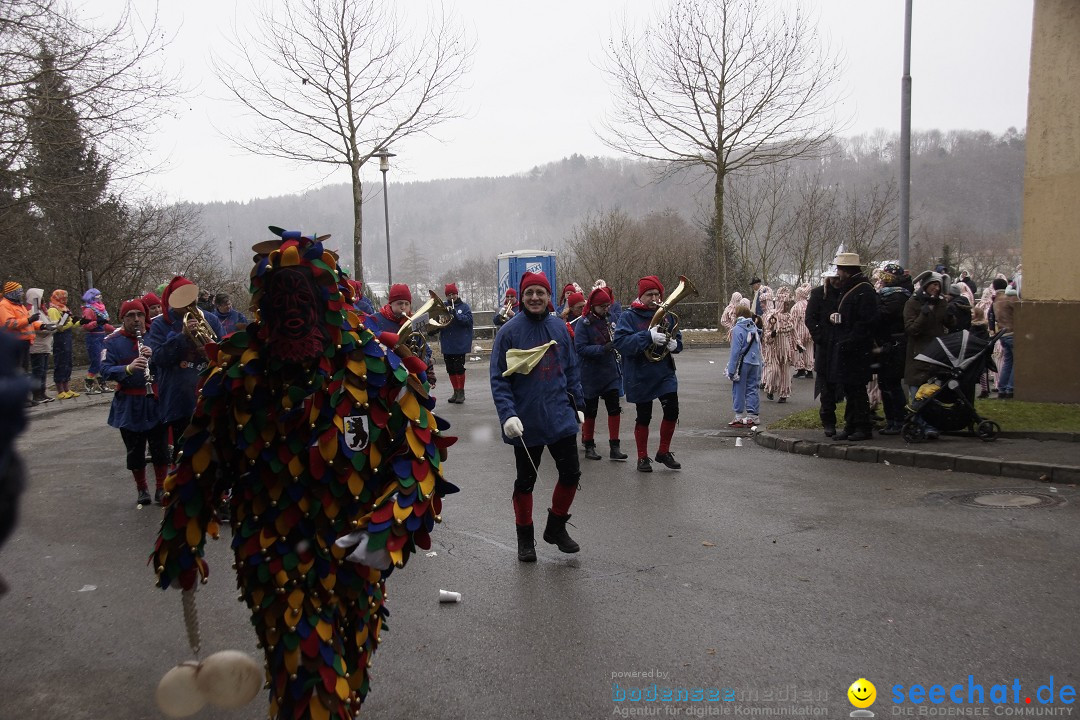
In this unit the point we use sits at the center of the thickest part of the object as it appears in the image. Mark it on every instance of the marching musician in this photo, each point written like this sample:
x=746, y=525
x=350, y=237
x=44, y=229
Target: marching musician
x=231, y=319
x=601, y=376
x=537, y=389
x=152, y=303
x=179, y=353
x=455, y=340
x=393, y=315
x=134, y=411
x=509, y=308
x=644, y=380
x=575, y=306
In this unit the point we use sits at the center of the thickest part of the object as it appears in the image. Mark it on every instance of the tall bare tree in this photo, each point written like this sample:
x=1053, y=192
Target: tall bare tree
x=760, y=217
x=724, y=84
x=332, y=82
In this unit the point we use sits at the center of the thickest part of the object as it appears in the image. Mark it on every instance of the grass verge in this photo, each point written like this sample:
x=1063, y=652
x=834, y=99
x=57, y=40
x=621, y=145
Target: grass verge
x=1013, y=415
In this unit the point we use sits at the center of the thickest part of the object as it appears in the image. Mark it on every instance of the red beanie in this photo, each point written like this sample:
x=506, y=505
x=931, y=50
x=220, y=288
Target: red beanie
x=647, y=283
x=129, y=305
x=574, y=298
x=177, y=282
x=400, y=292
x=150, y=299
x=530, y=278
x=599, y=296
x=511, y=292
x=450, y=288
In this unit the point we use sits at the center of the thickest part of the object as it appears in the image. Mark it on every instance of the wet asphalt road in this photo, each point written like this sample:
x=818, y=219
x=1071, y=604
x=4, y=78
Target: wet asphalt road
x=750, y=570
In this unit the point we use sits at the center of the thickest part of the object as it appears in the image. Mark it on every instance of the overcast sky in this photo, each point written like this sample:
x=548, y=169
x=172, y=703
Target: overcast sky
x=535, y=94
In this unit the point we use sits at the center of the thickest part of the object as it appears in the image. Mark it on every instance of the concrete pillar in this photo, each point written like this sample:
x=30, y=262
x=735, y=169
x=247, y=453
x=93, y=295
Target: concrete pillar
x=1047, y=341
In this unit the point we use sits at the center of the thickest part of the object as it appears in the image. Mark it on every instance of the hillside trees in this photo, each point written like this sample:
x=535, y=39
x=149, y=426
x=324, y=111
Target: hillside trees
x=723, y=85
x=332, y=82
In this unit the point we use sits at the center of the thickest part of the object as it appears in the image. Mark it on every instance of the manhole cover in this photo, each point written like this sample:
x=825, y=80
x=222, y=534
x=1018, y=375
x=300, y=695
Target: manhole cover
x=1007, y=499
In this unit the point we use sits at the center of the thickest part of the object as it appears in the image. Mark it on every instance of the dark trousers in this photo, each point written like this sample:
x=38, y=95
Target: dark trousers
x=177, y=427
x=831, y=393
x=62, y=357
x=611, y=403
x=565, y=453
x=857, y=411
x=136, y=443
x=893, y=398
x=668, y=403
x=39, y=372
x=455, y=364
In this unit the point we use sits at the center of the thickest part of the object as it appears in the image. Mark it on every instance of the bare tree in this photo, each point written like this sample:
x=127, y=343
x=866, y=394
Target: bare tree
x=332, y=82
x=607, y=245
x=867, y=222
x=117, y=84
x=724, y=84
x=813, y=231
x=759, y=215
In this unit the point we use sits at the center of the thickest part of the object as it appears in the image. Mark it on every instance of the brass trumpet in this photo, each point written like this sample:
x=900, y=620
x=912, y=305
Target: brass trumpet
x=506, y=308
x=185, y=298
x=685, y=288
x=440, y=316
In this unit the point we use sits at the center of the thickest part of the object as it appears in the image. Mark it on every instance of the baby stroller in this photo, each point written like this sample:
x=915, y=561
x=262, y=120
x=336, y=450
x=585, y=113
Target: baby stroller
x=947, y=401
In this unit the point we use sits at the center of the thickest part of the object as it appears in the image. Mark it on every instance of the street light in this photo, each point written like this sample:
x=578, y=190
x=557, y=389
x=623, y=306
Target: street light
x=384, y=156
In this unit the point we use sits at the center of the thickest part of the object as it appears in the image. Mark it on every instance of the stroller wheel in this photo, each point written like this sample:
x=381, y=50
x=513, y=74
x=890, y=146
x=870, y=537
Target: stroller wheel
x=912, y=432
x=988, y=430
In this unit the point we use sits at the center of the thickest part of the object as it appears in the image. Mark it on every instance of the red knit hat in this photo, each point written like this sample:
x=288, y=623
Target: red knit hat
x=647, y=283
x=598, y=296
x=177, y=282
x=400, y=291
x=574, y=298
x=530, y=278
x=150, y=299
x=450, y=288
x=133, y=304
x=511, y=291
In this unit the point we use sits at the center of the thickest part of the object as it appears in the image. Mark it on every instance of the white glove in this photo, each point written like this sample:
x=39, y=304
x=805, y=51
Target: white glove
x=580, y=417
x=658, y=337
x=672, y=344
x=378, y=559
x=512, y=428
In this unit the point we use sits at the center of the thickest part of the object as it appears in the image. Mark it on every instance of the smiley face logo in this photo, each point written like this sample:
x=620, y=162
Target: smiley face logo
x=862, y=693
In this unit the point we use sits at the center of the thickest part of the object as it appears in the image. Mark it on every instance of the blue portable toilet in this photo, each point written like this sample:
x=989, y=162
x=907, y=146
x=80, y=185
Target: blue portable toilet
x=512, y=265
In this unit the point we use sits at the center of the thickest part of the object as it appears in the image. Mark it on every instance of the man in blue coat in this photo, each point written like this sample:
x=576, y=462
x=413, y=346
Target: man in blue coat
x=455, y=341
x=646, y=380
x=134, y=411
x=179, y=355
x=537, y=392
x=601, y=376
x=393, y=315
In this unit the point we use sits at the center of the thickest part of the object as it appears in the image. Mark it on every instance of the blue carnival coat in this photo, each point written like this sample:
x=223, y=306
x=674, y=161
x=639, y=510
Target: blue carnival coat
x=364, y=305
x=740, y=337
x=132, y=409
x=380, y=324
x=229, y=321
x=599, y=369
x=644, y=381
x=540, y=398
x=456, y=338
x=176, y=365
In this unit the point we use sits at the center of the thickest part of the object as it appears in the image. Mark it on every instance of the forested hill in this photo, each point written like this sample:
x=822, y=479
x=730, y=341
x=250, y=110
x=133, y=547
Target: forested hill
x=966, y=185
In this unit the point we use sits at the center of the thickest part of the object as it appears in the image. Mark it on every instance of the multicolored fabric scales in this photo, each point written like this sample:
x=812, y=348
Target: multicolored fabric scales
x=314, y=430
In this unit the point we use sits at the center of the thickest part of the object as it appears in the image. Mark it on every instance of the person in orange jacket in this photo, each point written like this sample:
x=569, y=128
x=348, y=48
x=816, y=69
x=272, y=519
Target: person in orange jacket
x=17, y=319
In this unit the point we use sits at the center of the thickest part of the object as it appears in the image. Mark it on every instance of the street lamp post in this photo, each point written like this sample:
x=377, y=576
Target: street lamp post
x=384, y=156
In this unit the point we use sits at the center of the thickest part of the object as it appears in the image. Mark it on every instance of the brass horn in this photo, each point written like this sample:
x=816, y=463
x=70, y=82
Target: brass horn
x=440, y=316
x=685, y=288
x=184, y=300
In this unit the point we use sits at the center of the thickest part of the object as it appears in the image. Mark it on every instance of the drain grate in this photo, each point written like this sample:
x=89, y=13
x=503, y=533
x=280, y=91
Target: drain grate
x=1007, y=499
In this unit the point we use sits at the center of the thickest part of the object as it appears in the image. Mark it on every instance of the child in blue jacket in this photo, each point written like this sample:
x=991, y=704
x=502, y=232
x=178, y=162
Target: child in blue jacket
x=744, y=369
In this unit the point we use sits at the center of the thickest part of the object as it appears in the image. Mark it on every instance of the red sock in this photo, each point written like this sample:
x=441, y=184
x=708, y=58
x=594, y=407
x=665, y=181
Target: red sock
x=667, y=429
x=641, y=437
x=522, y=508
x=460, y=381
x=561, y=499
x=160, y=471
x=613, y=426
x=587, y=428
x=140, y=478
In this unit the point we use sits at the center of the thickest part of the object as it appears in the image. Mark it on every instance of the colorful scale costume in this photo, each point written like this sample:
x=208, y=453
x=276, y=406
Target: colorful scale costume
x=317, y=430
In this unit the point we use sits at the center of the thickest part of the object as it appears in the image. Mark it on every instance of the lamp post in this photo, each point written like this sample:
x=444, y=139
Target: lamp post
x=384, y=156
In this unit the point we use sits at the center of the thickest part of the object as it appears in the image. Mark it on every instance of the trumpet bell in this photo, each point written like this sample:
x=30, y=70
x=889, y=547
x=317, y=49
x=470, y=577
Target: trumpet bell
x=439, y=317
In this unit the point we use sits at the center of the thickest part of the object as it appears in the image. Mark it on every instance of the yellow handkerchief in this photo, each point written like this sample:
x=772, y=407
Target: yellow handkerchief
x=523, y=361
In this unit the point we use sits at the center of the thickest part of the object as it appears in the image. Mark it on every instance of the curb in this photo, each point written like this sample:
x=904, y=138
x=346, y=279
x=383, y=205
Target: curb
x=932, y=460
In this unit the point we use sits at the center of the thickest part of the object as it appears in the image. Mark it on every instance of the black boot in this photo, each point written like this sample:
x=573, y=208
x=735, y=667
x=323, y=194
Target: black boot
x=526, y=543
x=590, y=451
x=555, y=533
x=615, y=453
x=460, y=395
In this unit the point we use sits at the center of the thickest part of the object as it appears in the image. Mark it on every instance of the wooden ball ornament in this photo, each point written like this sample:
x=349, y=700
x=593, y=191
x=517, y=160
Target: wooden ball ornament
x=229, y=679
x=177, y=695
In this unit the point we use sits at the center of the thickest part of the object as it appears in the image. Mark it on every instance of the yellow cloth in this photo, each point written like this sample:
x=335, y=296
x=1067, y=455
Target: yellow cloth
x=927, y=390
x=523, y=361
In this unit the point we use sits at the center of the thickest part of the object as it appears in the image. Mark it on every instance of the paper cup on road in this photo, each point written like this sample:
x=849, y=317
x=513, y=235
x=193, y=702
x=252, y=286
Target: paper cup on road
x=449, y=596
x=738, y=442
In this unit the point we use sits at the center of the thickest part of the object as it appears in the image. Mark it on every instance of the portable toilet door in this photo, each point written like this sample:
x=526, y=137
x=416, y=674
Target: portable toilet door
x=513, y=265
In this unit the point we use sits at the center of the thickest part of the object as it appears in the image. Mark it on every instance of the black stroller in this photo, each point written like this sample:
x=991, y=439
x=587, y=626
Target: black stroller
x=947, y=401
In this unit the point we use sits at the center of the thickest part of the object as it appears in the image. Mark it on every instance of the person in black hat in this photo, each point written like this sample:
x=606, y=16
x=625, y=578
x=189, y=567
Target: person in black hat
x=891, y=349
x=850, y=352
